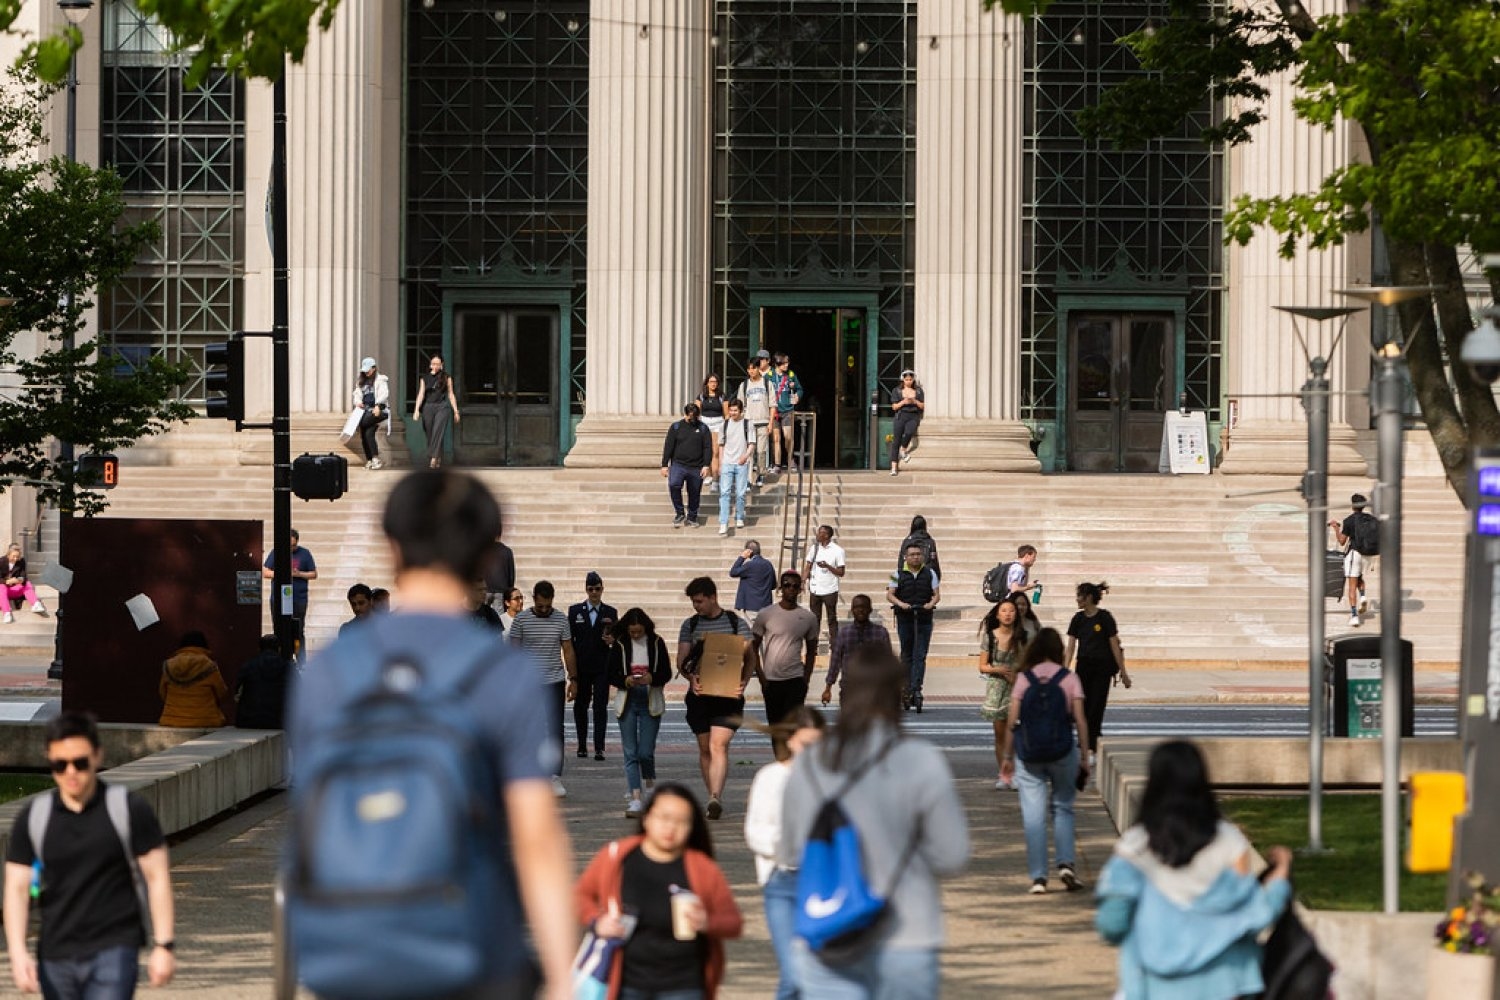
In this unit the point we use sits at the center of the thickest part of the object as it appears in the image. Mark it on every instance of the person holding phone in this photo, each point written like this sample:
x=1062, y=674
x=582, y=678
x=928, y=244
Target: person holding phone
x=665, y=898
x=639, y=667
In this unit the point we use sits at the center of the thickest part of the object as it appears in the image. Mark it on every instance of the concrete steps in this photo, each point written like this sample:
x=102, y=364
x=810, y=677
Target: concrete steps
x=1201, y=569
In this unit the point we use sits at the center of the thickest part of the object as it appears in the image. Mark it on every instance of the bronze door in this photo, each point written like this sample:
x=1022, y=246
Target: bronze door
x=506, y=383
x=1119, y=390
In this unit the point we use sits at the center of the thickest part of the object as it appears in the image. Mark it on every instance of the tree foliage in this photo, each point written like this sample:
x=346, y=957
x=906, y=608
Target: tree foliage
x=1419, y=81
x=61, y=238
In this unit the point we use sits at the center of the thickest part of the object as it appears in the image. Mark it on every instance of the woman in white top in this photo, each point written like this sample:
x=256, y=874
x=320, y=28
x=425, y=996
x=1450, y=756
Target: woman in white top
x=372, y=395
x=514, y=602
x=802, y=728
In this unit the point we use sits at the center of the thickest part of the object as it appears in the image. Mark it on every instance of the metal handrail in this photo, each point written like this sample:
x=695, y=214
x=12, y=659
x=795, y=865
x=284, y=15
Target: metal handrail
x=800, y=480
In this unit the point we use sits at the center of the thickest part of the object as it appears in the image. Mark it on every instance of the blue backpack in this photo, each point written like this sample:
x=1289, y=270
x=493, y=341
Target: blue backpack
x=1044, y=728
x=395, y=867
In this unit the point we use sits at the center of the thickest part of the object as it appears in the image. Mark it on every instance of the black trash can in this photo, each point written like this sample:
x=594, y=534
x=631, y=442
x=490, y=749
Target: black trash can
x=1357, y=679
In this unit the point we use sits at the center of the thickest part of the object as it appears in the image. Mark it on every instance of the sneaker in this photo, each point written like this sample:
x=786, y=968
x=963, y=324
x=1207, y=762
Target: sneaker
x=905, y=458
x=598, y=754
x=557, y=787
x=369, y=463
x=1354, y=619
x=9, y=618
x=1001, y=784
x=895, y=472
x=1364, y=603
x=376, y=463
x=723, y=529
x=635, y=808
x=715, y=809
x=1069, y=878
x=650, y=784
x=693, y=522
x=38, y=609
x=677, y=521
x=1038, y=887
x=739, y=522
x=582, y=752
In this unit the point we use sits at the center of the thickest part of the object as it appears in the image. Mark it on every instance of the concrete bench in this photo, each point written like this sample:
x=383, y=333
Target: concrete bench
x=196, y=775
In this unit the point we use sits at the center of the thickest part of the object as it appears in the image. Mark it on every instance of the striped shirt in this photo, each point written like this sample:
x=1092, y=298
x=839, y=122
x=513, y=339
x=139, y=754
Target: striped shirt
x=542, y=638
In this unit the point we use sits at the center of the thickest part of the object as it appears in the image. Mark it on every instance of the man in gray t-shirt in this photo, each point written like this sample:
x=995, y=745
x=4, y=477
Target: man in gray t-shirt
x=786, y=642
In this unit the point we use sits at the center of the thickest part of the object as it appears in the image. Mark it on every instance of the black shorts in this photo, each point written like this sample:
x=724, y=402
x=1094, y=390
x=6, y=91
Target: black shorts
x=704, y=712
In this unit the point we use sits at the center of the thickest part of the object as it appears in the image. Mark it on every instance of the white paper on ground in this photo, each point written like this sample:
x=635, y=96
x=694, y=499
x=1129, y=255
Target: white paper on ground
x=142, y=611
x=57, y=576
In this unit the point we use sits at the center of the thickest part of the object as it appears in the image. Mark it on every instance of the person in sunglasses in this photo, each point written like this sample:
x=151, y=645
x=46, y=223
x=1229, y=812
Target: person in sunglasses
x=93, y=920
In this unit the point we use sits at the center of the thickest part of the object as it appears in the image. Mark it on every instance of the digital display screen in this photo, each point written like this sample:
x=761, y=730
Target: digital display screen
x=1489, y=480
x=1487, y=519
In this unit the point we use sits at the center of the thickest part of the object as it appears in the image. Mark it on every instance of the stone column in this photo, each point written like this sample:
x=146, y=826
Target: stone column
x=1288, y=156
x=649, y=149
x=343, y=157
x=968, y=266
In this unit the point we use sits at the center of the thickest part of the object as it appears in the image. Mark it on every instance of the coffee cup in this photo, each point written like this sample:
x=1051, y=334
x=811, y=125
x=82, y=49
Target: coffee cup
x=682, y=923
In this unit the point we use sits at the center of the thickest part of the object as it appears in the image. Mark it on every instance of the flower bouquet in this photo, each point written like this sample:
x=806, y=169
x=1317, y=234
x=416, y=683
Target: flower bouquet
x=1464, y=965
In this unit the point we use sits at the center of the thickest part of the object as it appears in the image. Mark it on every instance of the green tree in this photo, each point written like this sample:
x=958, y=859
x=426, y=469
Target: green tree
x=61, y=238
x=1420, y=81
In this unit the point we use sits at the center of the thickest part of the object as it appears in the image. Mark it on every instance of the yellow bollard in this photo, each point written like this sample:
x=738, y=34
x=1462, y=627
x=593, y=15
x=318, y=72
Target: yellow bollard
x=1436, y=798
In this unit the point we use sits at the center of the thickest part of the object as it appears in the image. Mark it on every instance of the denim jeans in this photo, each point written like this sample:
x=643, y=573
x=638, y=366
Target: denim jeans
x=780, y=895
x=105, y=975
x=678, y=476
x=630, y=993
x=1048, y=788
x=733, y=479
x=915, y=632
x=638, y=728
x=883, y=974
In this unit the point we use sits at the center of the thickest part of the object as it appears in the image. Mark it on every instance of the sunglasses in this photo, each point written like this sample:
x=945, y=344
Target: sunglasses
x=80, y=764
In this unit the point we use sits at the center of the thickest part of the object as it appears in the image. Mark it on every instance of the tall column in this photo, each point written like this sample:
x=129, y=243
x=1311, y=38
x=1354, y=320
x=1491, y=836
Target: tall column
x=1288, y=156
x=968, y=266
x=343, y=161
x=649, y=151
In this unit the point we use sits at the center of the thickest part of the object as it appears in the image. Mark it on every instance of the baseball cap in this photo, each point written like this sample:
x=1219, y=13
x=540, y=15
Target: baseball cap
x=1359, y=500
x=763, y=354
x=367, y=365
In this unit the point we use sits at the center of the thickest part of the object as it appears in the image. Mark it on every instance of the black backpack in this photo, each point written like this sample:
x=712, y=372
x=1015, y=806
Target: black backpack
x=690, y=662
x=1044, y=728
x=1292, y=966
x=995, y=587
x=1365, y=538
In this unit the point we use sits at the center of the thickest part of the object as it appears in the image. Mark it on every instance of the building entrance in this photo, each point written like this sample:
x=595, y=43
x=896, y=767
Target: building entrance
x=506, y=383
x=1120, y=390
x=827, y=348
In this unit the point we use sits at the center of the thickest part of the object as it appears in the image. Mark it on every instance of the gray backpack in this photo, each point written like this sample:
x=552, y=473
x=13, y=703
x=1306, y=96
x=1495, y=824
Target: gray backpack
x=117, y=804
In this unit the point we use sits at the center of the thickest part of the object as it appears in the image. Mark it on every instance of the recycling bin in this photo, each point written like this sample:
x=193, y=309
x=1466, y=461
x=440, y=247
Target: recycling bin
x=1357, y=686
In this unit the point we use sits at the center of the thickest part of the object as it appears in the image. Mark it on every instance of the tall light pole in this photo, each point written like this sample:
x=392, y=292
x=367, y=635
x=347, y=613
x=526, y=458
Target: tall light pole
x=1387, y=396
x=1315, y=393
x=76, y=11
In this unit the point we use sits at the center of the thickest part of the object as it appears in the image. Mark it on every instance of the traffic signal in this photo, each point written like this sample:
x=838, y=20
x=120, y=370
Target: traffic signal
x=320, y=477
x=99, y=472
x=224, y=378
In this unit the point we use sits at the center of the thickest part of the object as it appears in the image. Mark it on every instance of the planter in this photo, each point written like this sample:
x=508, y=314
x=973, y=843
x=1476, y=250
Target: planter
x=1456, y=976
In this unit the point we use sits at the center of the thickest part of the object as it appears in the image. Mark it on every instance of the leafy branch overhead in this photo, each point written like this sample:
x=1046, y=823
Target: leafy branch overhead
x=1417, y=83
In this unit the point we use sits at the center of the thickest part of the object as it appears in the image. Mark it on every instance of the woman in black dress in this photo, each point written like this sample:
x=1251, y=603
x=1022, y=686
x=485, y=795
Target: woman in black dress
x=435, y=401
x=1101, y=661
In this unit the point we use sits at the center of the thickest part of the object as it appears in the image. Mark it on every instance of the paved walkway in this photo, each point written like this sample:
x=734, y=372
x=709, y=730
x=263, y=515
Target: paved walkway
x=999, y=937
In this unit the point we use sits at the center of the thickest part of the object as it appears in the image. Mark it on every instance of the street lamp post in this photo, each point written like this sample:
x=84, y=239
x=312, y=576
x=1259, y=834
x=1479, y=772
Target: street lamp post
x=1387, y=394
x=76, y=11
x=1315, y=392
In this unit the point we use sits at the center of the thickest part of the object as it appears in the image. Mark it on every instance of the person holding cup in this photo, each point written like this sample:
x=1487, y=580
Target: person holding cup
x=665, y=897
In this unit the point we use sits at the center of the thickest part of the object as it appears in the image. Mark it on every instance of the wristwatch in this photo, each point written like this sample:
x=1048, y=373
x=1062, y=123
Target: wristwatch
x=168, y=945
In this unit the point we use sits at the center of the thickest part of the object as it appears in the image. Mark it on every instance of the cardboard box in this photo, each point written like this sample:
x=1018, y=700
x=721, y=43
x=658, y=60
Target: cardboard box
x=722, y=663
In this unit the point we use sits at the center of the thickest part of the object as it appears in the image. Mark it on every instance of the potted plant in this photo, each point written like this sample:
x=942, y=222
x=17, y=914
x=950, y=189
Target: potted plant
x=1464, y=965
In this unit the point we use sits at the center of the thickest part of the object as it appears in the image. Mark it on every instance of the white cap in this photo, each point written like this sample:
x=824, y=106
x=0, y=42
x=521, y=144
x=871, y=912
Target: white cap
x=367, y=365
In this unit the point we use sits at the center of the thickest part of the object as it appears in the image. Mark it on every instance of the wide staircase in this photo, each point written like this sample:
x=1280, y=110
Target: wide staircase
x=1205, y=571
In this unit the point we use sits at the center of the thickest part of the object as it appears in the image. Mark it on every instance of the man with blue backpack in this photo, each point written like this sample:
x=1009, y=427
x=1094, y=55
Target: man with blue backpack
x=1045, y=729
x=424, y=834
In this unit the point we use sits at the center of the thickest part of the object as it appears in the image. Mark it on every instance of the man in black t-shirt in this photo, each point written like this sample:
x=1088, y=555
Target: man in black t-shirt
x=92, y=925
x=1356, y=564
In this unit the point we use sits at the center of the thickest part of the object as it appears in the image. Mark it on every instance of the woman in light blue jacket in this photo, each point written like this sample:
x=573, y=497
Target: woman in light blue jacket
x=1178, y=895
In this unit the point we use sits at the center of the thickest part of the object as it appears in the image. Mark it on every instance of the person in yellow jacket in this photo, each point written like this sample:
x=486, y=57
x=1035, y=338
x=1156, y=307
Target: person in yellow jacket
x=192, y=689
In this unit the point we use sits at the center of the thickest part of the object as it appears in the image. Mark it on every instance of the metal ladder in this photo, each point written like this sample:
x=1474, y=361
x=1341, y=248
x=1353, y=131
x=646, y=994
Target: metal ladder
x=800, y=482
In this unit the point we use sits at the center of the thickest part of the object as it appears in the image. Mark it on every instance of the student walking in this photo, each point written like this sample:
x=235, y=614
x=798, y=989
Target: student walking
x=786, y=393
x=662, y=894
x=757, y=576
x=1359, y=536
x=711, y=404
x=735, y=455
x=712, y=719
x=861, y=631
x=591, y=625
x=1001, y=644
x=914, y=593
x=372, y=396
x=1178, y=896
x=907, y=404
x=755, y=394
x=95, y=915
x=898, y=792
x=544, y=634
x=802, y=728
x=1046, y=707
x=435, y=402
x=786, y=649
x=686, y=457
x=823, y=569
x=1101, y=660
x=640, y=668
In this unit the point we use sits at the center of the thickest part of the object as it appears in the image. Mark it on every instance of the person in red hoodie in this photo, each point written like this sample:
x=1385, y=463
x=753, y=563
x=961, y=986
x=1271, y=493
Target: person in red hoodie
x=628, y=892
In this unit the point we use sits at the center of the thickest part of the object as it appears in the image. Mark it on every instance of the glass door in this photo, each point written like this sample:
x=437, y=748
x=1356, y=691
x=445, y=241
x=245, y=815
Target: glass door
x=506, y=383
x=1119, y=391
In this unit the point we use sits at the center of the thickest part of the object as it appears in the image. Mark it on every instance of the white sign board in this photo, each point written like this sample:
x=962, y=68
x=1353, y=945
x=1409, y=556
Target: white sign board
x=1184, y=443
